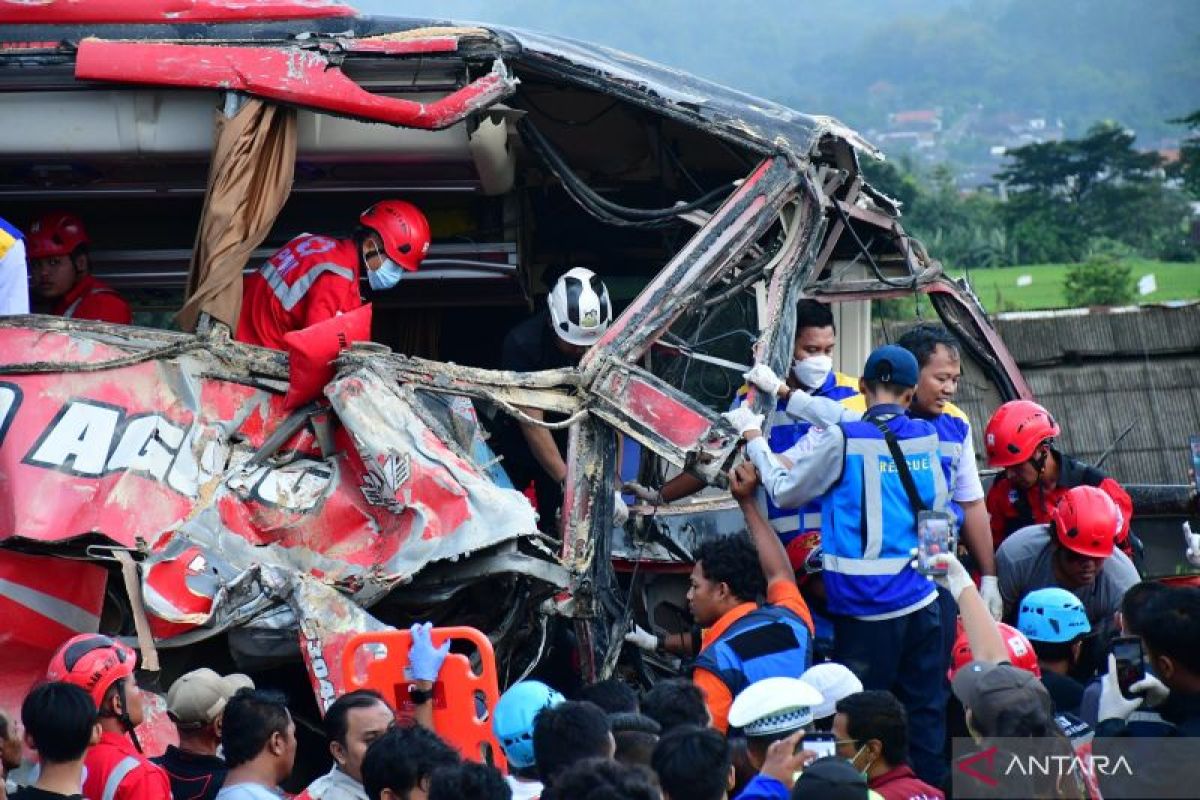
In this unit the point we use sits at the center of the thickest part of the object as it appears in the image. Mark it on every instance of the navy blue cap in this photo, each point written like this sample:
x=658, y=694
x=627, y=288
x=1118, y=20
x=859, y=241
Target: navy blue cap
x=892, y=364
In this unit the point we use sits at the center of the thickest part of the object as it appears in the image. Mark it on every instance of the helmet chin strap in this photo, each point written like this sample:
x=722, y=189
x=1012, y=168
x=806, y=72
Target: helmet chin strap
x=124, y=718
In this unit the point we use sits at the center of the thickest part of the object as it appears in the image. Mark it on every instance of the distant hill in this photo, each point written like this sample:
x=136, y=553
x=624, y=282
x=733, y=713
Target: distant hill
x=1075, y=60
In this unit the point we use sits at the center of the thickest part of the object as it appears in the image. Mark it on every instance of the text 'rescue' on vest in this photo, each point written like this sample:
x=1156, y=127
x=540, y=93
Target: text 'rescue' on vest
x=783, y=432
x=769, y=642
x=868, y=524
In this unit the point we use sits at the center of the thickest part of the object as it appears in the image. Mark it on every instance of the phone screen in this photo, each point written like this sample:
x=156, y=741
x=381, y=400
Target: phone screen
x=1127, y=651
x=935, y=535
x=823, y=744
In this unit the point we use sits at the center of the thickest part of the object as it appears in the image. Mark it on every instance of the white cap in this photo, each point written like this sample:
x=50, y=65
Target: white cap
x=774, y=705
x=833, y=681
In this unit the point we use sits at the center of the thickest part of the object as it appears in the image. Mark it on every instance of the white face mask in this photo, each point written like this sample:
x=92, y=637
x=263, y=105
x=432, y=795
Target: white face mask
x=812, y=371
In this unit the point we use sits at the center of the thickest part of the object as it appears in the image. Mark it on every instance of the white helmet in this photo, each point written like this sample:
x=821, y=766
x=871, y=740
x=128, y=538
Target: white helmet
x=580, y=311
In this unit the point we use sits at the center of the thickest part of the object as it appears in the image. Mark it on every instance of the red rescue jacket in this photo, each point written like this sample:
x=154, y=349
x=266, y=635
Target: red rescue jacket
x=1011, y=509
x=92, y=298
x=117, y=771
x=310, y=279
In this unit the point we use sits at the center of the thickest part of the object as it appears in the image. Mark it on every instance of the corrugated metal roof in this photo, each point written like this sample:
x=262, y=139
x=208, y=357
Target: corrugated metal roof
x=1153, y=328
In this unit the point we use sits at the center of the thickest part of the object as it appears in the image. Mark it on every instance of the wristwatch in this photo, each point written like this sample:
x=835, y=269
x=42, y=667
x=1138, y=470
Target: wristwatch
x=419, y=697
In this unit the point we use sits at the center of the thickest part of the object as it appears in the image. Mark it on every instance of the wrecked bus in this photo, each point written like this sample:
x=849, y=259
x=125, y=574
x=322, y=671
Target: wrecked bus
x=157, y=488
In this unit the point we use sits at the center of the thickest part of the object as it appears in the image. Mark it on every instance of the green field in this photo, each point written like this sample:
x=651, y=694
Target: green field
x=998, y=290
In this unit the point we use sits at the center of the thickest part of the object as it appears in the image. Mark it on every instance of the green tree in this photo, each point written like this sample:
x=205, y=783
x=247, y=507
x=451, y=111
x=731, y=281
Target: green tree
x=1104, y=279
x=1189, y=154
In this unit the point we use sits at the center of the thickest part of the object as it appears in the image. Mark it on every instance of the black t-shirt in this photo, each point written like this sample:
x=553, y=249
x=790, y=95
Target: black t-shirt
x=193, y=776
x=1065, y=692
x=34, y=793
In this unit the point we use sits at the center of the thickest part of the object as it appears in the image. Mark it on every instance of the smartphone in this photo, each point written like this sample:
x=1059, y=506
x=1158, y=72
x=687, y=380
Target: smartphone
x=821, y=743
x=1194, y=442
x=1131, y=663
x=935, y=536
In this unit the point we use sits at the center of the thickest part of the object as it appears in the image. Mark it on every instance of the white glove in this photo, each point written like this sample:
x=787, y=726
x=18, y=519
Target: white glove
x=1152, y=689
x=642, y=639
x=956, y=578
x=1113, y=704
x=989, y=587
x=743, y=419
x=764, y=378
x=1193, y=545
x=620, y=510
x=651, y=497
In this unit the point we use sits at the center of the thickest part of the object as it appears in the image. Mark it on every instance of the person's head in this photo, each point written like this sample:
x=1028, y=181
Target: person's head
x=257, y=726
x=871, y=730
x=60, y=722
x=57, y=249
x=352, y=723
x=675, y=702
x=1133, y=605
x=570, y=732
x=890, y=376
x=727, y=574
x=1055, y=622
x=196, y=703
x=693, y=764
x=468, y=781
x=831, y=778
x=11, y=746
x=580, y=310
x=1019, y=439
x=603, y=779
x=1171, y=630
x=834, y=681
x=1019, y=650
x=513, y=718
x=102, y=667
x=1086, y=525
x=771, y=709
x=936, y=351
x=393, y=239
x=636, y=736
x=614, y=695
x=400, y=764
x=1002, y=700
x=816, y=337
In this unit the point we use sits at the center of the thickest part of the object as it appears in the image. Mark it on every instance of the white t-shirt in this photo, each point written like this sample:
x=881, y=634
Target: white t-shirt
x=248, y=791
x=523, y=790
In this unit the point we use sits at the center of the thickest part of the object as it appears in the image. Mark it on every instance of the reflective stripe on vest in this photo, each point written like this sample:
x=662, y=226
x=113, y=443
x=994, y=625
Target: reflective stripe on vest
x=125, y=766
x=289, y=296
x=71, y=309
x=769, y=642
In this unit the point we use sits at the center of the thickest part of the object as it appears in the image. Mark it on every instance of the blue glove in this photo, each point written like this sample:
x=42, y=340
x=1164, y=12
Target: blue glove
x=425, y=660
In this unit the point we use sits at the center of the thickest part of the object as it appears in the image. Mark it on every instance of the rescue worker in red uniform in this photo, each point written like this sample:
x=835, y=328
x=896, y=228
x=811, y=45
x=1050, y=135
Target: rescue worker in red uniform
x=314, y=277
x=1019, y=439
x=59, y=272
x=116, y=768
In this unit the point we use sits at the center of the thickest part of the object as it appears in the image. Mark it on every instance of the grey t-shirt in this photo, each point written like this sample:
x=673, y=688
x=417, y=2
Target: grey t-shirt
x=247, y=791
x=1023, y=563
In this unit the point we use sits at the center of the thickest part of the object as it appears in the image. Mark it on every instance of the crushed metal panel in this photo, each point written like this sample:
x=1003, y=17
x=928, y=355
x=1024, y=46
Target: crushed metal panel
x=288, y=75
x=73, y=12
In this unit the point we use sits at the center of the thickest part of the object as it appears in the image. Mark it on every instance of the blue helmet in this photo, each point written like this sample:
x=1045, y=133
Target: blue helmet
x=1052, y=615
x=512, y=719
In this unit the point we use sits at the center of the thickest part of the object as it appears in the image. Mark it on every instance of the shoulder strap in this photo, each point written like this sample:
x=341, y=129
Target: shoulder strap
x=906, y=478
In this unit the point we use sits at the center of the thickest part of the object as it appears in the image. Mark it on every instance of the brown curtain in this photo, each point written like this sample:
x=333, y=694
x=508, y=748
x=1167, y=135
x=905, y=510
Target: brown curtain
x=253, y=162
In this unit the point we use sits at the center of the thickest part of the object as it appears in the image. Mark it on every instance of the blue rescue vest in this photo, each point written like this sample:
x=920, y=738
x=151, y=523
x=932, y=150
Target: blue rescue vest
x=769, y=642
x=953, y=429
x=783, y=432
x=868, y=525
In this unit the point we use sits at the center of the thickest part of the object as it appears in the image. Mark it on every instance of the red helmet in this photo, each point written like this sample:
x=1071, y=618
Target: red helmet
x=92, y=662
x=1020, y=652
x=1015, y=431
x=55, y=234
x=1087, y=521
x=403, y=228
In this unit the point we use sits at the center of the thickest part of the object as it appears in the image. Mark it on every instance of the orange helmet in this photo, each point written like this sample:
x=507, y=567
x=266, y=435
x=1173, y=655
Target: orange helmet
x=55, y=234
x=403, y=228
x=92, y=662
x=1020, y=652
x=1015, y=431
x=1087, y=521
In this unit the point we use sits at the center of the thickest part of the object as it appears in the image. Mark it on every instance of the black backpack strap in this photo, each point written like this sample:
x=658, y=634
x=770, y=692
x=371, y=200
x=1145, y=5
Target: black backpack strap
x=906, y=478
